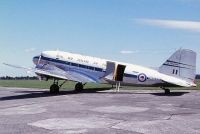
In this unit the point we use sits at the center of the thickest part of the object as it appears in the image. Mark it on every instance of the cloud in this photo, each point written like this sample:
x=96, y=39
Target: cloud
x=128, y=52
x=172, y=24
x=28, y=50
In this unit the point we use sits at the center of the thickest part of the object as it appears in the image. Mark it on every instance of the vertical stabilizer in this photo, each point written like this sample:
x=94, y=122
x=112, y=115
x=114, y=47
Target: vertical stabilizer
x=181, y=64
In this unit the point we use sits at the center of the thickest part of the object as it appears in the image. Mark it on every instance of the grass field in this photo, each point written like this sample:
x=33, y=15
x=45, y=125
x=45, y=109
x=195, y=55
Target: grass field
x=45, y=84
x=69, y=85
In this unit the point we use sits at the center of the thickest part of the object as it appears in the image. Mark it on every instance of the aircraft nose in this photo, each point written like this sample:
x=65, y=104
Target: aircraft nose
x=35, y=59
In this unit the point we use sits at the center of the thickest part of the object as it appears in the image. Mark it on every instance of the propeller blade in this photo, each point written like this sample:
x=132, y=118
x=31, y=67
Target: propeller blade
x=39, y=59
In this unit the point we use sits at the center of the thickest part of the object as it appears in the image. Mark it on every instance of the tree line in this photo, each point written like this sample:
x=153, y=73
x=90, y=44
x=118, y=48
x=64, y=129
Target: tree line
x=19, y=78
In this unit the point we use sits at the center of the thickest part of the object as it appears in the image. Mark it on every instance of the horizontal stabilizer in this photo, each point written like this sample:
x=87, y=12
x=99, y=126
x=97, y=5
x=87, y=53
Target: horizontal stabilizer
x=177, y=81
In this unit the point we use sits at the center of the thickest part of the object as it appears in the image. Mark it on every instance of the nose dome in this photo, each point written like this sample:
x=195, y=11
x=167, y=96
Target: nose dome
x=35, y=59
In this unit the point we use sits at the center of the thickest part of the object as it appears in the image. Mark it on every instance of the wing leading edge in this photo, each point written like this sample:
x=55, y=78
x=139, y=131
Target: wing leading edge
x=55, y=72
x=51, y=71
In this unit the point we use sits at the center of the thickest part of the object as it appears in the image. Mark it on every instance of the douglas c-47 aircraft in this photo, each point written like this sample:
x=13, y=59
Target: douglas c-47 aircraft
x=178, y=70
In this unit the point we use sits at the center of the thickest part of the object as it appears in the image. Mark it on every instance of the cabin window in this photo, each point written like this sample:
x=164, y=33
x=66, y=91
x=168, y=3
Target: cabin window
x=91, y=68
x=82, y=66
x=98, y=69
x=74, y=64
x=67, y=63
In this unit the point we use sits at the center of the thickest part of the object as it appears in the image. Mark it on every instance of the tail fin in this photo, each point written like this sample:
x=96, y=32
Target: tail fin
x=181, y=64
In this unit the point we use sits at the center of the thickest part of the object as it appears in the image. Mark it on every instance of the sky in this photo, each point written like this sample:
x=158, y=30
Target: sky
x=144, y=32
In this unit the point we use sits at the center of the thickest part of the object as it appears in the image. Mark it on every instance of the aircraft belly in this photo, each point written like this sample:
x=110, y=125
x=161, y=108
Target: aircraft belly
x=135, y=81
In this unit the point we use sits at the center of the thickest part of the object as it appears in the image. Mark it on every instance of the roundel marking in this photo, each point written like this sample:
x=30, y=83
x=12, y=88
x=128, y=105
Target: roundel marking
x=142, y=77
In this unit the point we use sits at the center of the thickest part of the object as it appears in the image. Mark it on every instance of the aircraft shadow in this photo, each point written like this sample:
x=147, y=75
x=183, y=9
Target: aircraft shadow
x=41, y=94
x=171, y=94
x=181, y=93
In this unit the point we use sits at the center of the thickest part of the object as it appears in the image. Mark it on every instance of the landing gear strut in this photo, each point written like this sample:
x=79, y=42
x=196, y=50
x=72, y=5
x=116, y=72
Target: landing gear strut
x=167, y=91
x=54, y=88
x=79, y=87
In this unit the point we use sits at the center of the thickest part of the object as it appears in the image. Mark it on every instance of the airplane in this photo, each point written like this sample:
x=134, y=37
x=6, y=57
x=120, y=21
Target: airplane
x=179, y=70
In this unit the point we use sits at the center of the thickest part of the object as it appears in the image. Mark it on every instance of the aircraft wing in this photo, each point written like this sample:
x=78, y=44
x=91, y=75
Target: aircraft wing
x=55, y=72
x=52, y=71
x=28, y=70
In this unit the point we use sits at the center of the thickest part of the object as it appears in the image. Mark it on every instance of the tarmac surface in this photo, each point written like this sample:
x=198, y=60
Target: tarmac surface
x=99, y=111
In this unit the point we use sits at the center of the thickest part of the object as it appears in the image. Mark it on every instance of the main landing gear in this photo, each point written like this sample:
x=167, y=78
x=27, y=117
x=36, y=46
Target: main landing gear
x=79, y=87
x=167, y=91
x=55, y=88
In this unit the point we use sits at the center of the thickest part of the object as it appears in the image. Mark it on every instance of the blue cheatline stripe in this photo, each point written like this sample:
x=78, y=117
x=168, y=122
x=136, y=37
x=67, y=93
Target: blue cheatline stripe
x=179, y=63
x=71, y=64
x=130, y=75
x=175, y=66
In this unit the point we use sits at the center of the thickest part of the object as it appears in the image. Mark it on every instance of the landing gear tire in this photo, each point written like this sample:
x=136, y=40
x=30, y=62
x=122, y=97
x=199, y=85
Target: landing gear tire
x=79, y=87
x=167, y=91
x=54, y=89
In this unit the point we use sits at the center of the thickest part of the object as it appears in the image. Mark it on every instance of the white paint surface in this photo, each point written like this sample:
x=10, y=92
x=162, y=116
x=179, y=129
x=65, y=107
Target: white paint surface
x=120, y=109
x=74, y=123
x=22, y=110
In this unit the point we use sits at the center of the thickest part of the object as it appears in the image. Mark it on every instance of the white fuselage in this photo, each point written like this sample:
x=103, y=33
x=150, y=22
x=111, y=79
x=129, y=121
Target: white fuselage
x=95, y=68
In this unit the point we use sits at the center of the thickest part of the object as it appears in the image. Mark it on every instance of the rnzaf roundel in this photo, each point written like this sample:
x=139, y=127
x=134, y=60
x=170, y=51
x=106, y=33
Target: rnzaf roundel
x=142, y=77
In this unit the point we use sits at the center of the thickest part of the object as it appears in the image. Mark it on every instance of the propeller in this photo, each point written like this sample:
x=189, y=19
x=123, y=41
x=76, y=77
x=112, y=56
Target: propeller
x=39, y=59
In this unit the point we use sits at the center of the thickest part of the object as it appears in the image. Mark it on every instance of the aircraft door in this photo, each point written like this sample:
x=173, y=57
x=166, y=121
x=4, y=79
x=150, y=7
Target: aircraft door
x=119, y=72
x=110, y=68
x=115, y=71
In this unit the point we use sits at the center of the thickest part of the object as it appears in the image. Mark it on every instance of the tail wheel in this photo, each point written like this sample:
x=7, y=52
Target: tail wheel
x=167, y=91
x=54, y=89
x=79, y=87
